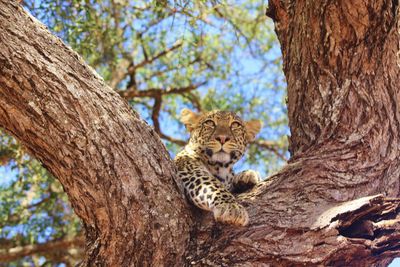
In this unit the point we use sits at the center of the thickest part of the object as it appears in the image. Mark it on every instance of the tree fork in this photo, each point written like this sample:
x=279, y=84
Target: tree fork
x=336, y=202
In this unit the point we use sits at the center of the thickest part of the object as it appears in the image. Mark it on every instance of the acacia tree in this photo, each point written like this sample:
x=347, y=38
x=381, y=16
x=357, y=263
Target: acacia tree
x=335, y=202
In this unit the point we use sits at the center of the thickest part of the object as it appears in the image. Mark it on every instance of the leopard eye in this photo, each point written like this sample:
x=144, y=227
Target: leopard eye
x=236, y=124
x=209, y=123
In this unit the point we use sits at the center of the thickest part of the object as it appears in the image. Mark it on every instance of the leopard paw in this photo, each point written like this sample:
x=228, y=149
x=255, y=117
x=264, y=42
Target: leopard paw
x=245, y=180
x=231, y=213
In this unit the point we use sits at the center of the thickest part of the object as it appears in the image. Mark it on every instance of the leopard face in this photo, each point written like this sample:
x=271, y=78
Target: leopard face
x=219, y=136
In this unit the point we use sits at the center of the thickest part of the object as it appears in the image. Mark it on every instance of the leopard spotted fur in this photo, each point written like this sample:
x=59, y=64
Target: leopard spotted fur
x=218, y=139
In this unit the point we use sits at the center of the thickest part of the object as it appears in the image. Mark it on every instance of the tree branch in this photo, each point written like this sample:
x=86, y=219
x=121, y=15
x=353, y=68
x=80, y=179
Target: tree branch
x=107, y=159
x=195, y=101
x=271, y=146
x=154, y=92
x=155, y=118
x=129, y=69
x=120, y=73
x=157, y=20
x=132, y=68
x=15, y=253
x=6, y=155
x=157, y=95
x=327, y=238
x=171, y=68
x=236, y=28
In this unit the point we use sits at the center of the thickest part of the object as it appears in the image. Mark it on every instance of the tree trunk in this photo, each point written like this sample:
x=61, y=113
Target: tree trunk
x=335, y=203
x=114, y=168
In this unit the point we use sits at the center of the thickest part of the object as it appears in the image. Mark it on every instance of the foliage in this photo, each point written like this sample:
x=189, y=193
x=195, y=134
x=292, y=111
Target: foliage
x=198, y=54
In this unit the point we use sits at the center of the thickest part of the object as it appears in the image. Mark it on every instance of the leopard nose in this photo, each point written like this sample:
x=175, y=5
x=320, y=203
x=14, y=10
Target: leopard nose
x=222, y=139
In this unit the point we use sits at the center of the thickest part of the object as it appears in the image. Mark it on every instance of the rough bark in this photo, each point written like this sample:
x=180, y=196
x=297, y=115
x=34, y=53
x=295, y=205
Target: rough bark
x=335, y=203
x=114, y=168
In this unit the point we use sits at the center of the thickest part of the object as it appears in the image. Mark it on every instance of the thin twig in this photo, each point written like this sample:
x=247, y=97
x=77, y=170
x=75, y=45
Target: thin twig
x=147, y=61
x=271, y=146
x=154, y=92
x=155, y=118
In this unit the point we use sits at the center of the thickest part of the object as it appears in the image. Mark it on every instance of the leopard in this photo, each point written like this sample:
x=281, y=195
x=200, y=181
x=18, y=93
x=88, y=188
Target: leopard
x=218, y=139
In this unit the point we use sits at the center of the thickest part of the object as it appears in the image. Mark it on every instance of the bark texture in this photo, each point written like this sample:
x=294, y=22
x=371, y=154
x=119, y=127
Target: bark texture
x=114, y=168
x=335, y=203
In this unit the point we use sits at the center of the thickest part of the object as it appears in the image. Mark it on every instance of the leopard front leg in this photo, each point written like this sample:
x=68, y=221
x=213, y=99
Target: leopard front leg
x=208, y=193
x=245, y=180
x=231, y=213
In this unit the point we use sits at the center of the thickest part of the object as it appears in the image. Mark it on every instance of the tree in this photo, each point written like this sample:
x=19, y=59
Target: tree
x=322, y=208
x=160, y=74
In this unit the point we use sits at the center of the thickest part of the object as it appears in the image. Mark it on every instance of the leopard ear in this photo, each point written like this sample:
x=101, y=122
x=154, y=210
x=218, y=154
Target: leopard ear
x=189, y=118
x=252, y=129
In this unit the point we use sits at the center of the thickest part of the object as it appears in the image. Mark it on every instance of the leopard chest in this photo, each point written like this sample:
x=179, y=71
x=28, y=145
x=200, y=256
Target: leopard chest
x=223, y=173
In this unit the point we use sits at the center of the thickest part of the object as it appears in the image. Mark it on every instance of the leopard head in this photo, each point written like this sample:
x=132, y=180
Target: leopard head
x=219, y=136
